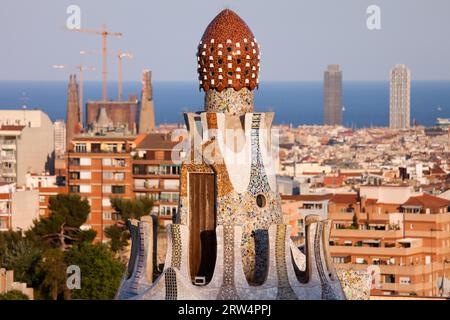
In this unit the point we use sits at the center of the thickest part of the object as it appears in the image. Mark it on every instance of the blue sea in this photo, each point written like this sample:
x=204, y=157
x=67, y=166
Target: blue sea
x=366, y=103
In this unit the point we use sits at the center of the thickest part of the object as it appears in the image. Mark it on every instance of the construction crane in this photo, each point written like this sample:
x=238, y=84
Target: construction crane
x=104, y=33
x=81, y=69
x=121, y=55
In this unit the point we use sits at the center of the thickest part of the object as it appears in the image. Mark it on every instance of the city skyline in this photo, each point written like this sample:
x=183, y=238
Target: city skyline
x=339, y=35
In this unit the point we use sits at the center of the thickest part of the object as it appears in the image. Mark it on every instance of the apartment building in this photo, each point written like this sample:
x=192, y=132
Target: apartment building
x=296, y=208
x=47, y=186
x=156, y=174
x=18, y=207
x=99, y=167
x=27, y=144
x=402, y=238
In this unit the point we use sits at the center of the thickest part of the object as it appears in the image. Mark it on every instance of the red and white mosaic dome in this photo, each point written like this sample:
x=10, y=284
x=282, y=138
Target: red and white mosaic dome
x=228, y=55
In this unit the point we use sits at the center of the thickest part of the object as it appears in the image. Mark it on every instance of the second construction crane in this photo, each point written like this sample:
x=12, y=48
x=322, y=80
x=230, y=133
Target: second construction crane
x=105, y=34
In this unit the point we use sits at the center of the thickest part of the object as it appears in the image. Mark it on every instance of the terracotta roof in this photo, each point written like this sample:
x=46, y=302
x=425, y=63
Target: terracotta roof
x=344, y=198
x=428, y=201
x=157, y=141
x=228, y=54
x=333, y=180
x=4, y=196
x=437, y=170
x=11, y=128
x=307, y=197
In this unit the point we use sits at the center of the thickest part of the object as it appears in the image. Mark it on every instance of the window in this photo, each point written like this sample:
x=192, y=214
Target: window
x=74, y=161
x=139, y=183
x=106, y=202
x=96, y=147
x=107, y=162
x=107, y=175
x=111, y=147
x=119, y=176
x=152, y=183
x=171, y=184
x=74, y=175
x=86, y=175
x=106, y=189
x=80, y=147
x=85, y=188
x=107, y=216
x=119, y=163
x=168, y=210
x=169, y=196
x=261, y=200
x=138, y=169
x=74, y=189
x=152, y=170
x=85, y=161
x=41, y=199
x=118, y=189
x=361, y=261
x=389, y=278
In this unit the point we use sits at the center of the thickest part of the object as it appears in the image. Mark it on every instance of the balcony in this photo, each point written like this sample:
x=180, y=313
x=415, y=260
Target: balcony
x=8, y=172
x=366, y=234
x=8, y=158
x=408, y=270
x=341, y=216
x=375, y=251
x=8, y=146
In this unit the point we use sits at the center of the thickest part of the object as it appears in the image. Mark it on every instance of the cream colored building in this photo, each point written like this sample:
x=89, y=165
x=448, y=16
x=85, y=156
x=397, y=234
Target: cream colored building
x=27, y=144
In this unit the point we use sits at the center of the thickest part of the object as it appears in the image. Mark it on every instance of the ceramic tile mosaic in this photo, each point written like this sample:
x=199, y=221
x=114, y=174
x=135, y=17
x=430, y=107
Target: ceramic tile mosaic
x=228, y=290
x=171, y=284
x=176, y=246
x=356, y=284
x=285, y=291
x=228, y=55
x=230, y=101
x=327, y=291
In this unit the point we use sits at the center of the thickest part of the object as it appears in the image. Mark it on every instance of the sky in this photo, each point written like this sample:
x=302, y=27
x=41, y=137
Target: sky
x=298, y=37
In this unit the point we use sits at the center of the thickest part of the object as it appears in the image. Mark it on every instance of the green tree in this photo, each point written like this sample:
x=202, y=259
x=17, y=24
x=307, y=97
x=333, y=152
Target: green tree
x=7, y=240
x=52, y=269
x=62, y=228
x=14, y=295
x=126, y=209
x=101, y=273
x=118, y=236
x=132, y=209
x=23, y=257
x=354, y=221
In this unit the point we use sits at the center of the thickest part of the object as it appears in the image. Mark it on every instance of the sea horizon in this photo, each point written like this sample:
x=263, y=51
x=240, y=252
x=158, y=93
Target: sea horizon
x=366, y=102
